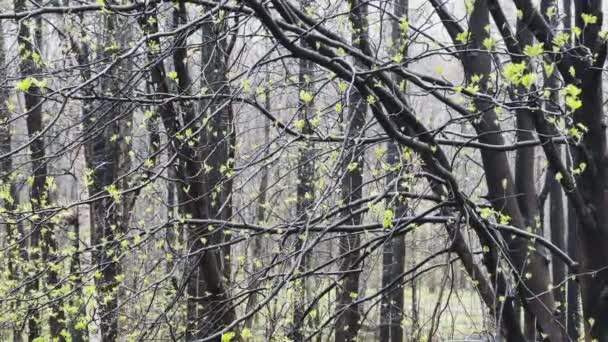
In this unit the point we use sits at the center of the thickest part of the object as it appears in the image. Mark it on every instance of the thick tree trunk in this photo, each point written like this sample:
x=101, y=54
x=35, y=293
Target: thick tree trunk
x=501, y=189
x=209, y=307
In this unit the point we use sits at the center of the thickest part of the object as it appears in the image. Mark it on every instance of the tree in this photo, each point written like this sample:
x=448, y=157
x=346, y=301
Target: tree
x=444, y=124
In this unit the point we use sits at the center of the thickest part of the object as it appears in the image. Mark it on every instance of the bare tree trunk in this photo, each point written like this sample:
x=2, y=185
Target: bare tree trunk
x=41, y=235
x=209, y=307
x=106, y=156
x=305, y=199
x=82, y=60
x=400, y=207
x=572, y=297
x=525, y=176
x=304, y=193
x=385, y=301
x=391, y=309
x=261, y=218
x=348, y=322
x=6, y=166
x=499, y=180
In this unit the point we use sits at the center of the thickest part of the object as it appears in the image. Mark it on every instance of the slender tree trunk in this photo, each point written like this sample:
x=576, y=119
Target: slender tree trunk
x=261, y=218
x=593, y=151
x=304, y=192
x=573, y=303
x=400, y=9
x=391, y=309
x=6, y=166
x=106, y=155
x=525, y=175
x=348, y=322
x=41, y=235
x=572, y=296
x=385, y=301
x=82, y=59
x=556, y=205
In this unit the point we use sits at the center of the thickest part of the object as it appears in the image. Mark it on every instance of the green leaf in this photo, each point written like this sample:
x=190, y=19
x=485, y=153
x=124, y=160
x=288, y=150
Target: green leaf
x=572, y=94
x=172, y=75
x=572, y=90
x=306, y=96
x=534, y=50
x=114, y=192
x=404, y=25
x=463, y=37
x=489, y=43
x=469, y=6
x=300, y=125
x=246, y=334
x=339, y=107
x=528, y=80
x=561, y=39
x=514, y=72
x=229, y=336
x=589, y=19
x=573, y=103
x=389, y=216
x=549, y=68
x=24, y=85
x=486, y=213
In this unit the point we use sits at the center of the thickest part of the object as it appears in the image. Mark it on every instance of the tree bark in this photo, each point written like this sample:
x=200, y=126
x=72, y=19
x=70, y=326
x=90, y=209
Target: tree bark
x=348, y=322
x=304, y=195
x=41, y=236
x=534, y=274
x=107, y=159
x=392, y=303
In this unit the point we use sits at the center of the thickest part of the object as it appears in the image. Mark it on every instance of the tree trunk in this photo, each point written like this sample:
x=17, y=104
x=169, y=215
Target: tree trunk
x=261, y=218
x=391, y=309
x=15, y=252
x=500, y=185
x=305, y=199
x=106, y=155
x=41, y=235
x=209, y=307
x=348, y=322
